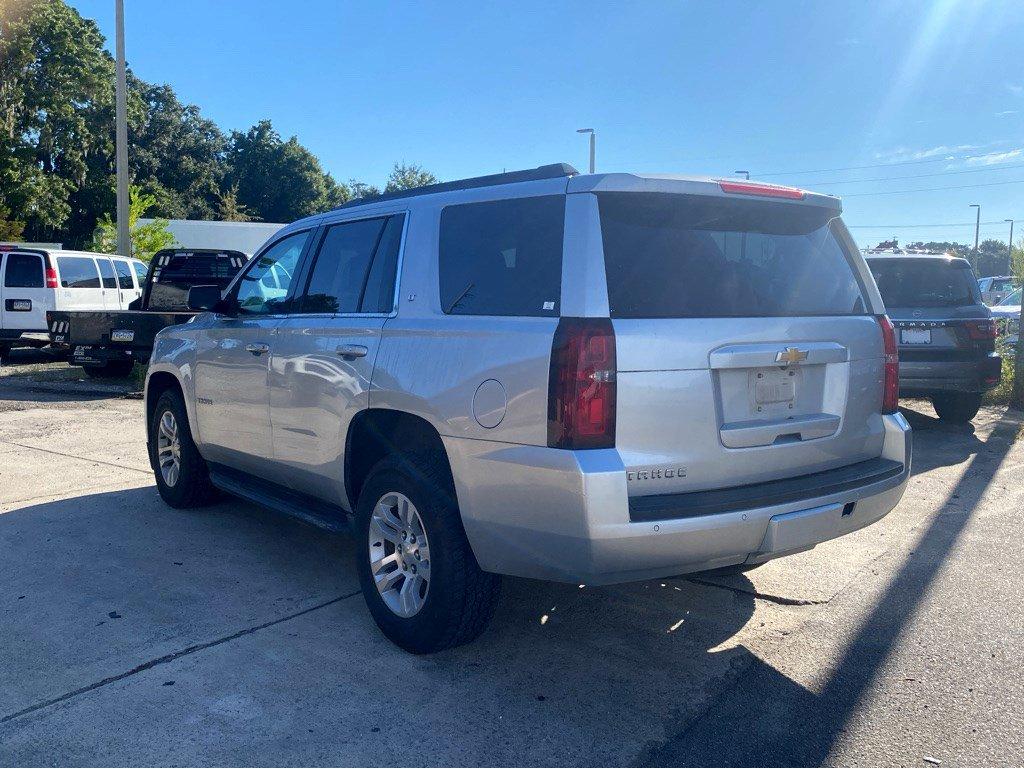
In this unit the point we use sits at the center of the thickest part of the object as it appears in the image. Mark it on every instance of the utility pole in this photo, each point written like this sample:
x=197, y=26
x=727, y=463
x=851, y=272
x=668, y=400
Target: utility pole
x=1017, y=394
x=1009, y=249
x=746, y=174
x=977, y=228
x=593, y=143
x=124, y=240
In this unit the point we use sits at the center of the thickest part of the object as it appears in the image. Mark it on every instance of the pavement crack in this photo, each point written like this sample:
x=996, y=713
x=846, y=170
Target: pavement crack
x=75, y=456
x=781, y=600
x=171, y=658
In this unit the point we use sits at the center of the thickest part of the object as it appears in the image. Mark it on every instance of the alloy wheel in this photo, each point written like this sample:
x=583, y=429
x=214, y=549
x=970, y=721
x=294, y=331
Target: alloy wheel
x=399, y=554
x=168, y=446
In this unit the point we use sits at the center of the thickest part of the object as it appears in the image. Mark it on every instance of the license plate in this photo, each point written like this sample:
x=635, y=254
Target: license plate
x=773, y=389
x=916, y=336
x=21, y=305
x=122, y=336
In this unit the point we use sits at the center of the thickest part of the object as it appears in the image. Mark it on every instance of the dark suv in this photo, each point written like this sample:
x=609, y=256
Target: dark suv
x=946, y=334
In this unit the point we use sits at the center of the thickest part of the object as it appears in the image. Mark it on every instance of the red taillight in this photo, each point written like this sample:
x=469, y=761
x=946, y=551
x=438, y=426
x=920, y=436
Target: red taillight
x=981, y=330
x=51, y=277
x=581, y=385
x=765, y=190
x=891, y=381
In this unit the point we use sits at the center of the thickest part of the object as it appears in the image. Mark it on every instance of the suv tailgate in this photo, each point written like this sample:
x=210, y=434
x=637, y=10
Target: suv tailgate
x=746, y=350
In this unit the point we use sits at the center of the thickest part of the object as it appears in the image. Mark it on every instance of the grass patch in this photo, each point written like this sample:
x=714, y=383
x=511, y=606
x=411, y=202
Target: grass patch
x=1000, y=396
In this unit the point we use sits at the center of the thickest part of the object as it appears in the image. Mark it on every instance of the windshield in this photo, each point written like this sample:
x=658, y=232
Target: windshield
x=689, y=256
x=918, y=282
x=1013, y=300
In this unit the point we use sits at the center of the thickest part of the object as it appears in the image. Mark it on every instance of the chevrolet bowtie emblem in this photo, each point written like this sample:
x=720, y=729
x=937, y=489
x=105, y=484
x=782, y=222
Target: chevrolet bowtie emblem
x=790, y=355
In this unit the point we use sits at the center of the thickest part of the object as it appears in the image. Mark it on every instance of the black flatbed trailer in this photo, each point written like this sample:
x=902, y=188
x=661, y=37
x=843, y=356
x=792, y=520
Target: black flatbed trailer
x=110, y=343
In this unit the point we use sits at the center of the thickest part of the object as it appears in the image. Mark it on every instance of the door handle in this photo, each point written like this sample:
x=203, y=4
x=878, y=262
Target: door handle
x=257, y=349
x=351, y=350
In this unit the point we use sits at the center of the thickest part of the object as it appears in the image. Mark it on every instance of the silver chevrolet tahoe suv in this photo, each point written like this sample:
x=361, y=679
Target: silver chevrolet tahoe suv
x=586, y=378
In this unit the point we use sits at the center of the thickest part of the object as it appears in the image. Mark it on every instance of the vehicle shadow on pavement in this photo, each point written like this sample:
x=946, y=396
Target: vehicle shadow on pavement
x=101, y=585
x=770, y=720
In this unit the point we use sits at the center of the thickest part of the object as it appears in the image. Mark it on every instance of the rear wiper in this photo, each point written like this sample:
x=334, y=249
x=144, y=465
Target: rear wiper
x=459, y=298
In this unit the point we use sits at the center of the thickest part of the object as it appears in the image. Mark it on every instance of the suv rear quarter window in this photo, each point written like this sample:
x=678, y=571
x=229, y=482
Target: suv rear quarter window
x=691, y=256
x=502, y=257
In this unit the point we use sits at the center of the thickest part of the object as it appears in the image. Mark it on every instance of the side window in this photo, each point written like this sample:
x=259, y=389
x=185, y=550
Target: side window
x=264, y=286
x=379, y=294
x=77, y=272
x=107, y=273
x=24, y=271
x=141, y=271
x=351, y=264
x=124, y=275
x=502, y=257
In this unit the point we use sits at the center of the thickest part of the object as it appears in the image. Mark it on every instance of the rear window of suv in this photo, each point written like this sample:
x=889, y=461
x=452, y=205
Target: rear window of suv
x=502, y=257
x=920, y=282
x=691, y=256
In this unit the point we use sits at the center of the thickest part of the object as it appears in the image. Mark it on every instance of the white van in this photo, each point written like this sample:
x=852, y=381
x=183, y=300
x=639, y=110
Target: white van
x=33, y=281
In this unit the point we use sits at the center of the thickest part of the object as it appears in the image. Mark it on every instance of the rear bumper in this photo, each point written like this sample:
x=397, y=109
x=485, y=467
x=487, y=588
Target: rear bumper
x=94, y=355
x=24, y=337
x=561, y=515
x=948, y=375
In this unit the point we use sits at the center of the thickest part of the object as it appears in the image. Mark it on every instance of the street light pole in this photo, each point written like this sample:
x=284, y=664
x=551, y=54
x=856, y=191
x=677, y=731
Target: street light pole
x=124, y=241
x=977, y=227
x=746, y=174
x=593, y=143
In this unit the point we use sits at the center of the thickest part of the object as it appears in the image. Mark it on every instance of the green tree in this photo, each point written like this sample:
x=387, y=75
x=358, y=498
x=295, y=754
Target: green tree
x=361, y=190
x=407, y=177
x=147, y=238
x=10, y=229
x=279, y=181
x=175, y=152
x=228, y=207
x=55, y=79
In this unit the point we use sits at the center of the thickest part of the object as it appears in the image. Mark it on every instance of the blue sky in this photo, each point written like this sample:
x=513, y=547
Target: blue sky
x=671, y=87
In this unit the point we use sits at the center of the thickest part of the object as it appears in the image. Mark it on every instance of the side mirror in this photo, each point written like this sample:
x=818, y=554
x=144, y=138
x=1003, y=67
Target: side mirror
x=204, y=298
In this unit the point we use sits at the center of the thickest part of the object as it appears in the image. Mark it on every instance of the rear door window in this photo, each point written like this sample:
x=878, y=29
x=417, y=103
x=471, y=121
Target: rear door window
x=690, y=256
x=342, y=267
x=124, y=275
x=379, y=295
x=502, y=257
x=24, y=271
x=107, y=273
x=77, y=272
x=924, y=282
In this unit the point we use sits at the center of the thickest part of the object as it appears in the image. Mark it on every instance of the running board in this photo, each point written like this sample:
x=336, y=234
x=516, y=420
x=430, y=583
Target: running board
x=281, y=499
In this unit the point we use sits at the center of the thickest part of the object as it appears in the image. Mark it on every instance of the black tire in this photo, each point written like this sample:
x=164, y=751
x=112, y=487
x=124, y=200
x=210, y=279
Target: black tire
x=192, y=487
x=957, y=408
x=111, y=369
x=460, y=597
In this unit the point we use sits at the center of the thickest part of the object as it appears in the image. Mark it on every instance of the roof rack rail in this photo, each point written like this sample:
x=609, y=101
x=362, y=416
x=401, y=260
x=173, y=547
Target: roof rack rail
x=552, y=171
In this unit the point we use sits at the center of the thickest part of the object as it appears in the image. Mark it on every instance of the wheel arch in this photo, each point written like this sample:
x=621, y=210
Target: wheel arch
x=376, y=433
x=157, y=383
